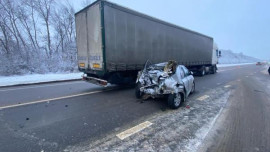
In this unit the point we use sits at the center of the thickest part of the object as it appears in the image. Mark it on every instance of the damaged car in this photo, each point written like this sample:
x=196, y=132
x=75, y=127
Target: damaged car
x=170, y=80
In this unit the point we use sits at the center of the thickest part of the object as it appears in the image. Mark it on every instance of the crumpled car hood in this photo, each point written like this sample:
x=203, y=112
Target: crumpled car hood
x=157, y=81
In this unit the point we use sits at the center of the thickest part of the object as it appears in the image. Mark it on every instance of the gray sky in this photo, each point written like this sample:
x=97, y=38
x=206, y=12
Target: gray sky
x=238, y=25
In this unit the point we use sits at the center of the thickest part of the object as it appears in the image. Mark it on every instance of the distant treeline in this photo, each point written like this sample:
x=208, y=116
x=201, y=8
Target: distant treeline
x=36, y=36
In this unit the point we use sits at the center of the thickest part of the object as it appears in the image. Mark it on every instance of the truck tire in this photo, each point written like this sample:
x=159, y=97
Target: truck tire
x=175, y=100
x=213, y=70
x=202, y=71
x=138, y=93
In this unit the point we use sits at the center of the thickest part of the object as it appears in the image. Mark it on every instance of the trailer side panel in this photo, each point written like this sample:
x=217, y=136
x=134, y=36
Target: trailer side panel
x=132, y=38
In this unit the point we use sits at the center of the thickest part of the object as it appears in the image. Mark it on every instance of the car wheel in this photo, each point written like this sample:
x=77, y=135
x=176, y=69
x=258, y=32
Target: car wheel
x=138, y=93
x=193, y=88
x=174, y=100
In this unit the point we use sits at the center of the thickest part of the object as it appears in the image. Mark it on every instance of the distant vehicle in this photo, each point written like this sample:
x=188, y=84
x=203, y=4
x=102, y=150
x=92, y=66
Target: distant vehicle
x=113, y=42
x=165, y=79
x=258, y=63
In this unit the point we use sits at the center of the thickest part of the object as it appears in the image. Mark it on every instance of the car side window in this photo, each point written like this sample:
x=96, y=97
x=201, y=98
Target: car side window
x=185, y=71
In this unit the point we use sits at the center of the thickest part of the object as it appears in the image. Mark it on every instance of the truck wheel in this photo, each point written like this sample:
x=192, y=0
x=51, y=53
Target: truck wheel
x=213, y=70
x=202, y=71
x=174, y=100
x=138, y=93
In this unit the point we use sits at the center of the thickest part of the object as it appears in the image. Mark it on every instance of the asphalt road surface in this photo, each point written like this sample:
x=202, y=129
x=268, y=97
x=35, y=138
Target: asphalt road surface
x=51, y=117
x=245, y=123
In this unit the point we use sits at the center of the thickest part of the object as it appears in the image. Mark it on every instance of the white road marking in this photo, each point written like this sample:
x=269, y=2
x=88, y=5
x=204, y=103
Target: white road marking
x=203, y=97
x=38, y=86
x=134, y=130
x=247, y=76
x=53, y=99
x=227, y=86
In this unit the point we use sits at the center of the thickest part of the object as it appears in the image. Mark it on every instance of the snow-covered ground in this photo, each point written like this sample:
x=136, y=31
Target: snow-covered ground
x=228, y=65
x=230, y=57
x=37, y=78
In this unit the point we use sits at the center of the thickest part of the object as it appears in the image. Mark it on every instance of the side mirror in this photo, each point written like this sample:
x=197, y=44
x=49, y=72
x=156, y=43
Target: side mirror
x=219, y=53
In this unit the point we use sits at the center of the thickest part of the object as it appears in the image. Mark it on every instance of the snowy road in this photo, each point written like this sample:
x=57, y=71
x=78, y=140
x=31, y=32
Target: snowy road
x=245, y=123
x=77, y=116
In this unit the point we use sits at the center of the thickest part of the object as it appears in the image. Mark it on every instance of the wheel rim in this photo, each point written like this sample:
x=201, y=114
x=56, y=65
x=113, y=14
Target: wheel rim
x=177, y=99
x=203, y=72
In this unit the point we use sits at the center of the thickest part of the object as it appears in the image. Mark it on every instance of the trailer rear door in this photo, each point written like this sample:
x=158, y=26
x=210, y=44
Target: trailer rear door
x=95, y=37
x=82, y=39
x=89, y=38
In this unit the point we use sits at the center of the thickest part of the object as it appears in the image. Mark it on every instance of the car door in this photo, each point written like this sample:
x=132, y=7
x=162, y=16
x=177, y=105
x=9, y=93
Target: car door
x=188, y=78
x=184, y=79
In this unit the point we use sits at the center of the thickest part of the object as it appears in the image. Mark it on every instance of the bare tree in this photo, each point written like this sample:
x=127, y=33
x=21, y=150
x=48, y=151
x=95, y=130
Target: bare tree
x=44, y=8
x=86, y=2
x=9, y=8
x=27, y=16
x=4, y=37
x=21, y=45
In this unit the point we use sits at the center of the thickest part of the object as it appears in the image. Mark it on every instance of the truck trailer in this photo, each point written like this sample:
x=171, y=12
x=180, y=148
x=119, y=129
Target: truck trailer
x=114, y=42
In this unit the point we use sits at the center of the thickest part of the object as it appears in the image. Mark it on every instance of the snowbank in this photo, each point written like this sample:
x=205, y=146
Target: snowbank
x=37, y=78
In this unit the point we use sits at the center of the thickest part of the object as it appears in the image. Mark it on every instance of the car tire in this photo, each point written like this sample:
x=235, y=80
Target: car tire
x=138, y=93
x=193, y=88
x=175, y=100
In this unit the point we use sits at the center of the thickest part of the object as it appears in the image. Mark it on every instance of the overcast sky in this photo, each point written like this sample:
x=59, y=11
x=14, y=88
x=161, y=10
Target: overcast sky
x=238, y=25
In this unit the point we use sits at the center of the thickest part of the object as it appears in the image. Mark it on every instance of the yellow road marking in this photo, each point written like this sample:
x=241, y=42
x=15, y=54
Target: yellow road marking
x=203, y=97
x=53, y=99
x=134, y=130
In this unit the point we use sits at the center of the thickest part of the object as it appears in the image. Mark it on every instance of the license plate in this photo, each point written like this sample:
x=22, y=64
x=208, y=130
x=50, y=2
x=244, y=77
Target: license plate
x=96, y=65
x=82, y=65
